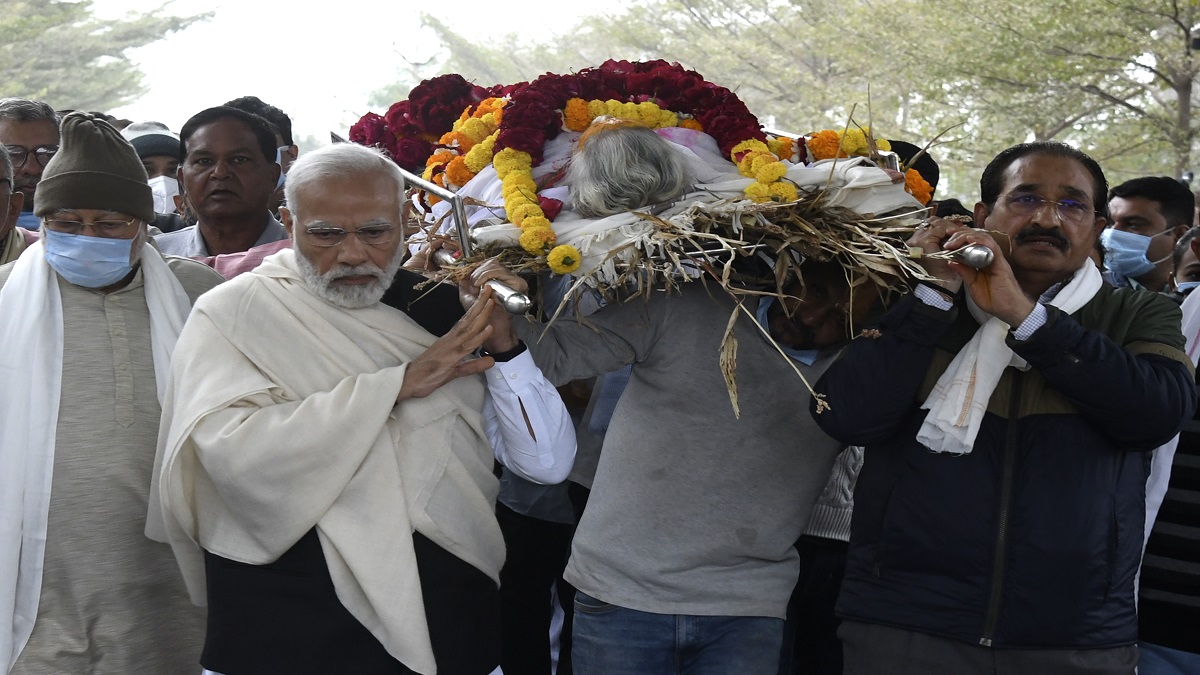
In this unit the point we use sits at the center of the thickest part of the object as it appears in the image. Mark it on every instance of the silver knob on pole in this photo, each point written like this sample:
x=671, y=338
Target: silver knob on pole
x=511, y=300
x=975, y=255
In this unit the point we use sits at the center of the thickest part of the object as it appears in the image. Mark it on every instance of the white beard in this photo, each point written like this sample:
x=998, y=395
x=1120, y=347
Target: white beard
x=354, y=296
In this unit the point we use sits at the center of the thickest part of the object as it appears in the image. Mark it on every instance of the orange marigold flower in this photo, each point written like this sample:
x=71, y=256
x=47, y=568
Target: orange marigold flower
x=457, y=171
x=825, y=145
x=576, y=115
x=692, y=124
x=439, y=157
x=459, y=139
x=918, y=186
x=489, y=105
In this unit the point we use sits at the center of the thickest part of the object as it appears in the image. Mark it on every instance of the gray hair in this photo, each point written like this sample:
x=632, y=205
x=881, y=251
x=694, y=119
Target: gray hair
x=339, y=159
x=624, y=168
x=26, y=110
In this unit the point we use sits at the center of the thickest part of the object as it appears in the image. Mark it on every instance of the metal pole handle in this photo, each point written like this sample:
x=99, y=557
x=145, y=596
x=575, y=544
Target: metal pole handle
x=511, y=300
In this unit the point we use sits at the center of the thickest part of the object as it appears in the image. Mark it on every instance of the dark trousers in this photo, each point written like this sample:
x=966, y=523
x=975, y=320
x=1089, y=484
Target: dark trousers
x=537, y=555
x=810, y=643
x=872, y=649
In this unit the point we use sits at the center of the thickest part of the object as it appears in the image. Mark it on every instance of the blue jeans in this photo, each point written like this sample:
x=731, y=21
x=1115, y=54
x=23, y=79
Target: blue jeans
x=612, y=640
x=1158, y=660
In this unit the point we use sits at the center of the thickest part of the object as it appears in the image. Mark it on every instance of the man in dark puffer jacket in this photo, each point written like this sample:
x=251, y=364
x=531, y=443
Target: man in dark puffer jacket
x=999, y=514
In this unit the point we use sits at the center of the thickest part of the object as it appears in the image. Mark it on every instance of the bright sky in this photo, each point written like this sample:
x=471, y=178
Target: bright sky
x=318, y=62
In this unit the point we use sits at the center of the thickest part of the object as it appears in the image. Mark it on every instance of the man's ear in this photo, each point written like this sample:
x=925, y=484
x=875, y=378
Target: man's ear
x=285, y=217
x=1178, y=231
x=16, y=202
x=981, y=213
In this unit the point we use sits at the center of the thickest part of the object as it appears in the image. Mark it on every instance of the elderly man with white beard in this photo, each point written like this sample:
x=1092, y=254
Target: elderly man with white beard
x=327, y=459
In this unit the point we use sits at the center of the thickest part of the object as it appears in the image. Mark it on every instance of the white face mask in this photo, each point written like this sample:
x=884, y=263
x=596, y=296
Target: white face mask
x=164, y=188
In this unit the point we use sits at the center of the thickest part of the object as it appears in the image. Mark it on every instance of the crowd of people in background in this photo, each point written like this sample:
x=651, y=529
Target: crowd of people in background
x=241, y=434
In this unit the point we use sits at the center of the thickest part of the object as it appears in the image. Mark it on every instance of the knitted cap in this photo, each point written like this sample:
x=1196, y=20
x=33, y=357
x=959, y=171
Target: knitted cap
x=95, y=168
x=151, y=139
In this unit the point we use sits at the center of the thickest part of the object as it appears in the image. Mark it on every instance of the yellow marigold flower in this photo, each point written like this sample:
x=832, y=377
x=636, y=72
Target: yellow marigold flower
x=564, y=259
x=759, y=192
x=508, y=160
x=824, y=144
x=476, y=130
x=854, y=142
x=752, y=160
x=883, y=144
x=576, y=116
x=770, y=172
x=533, y=222
x=745, y=146
x=518, y=180
x=692, y=124
x=784, y=192
x=648, y=113
x=518, y=214
x=666, y=118
x=537, y=240
x=597, y=108
x=481, y=155
x=515, y=200
x=918, y=186
x=612, y=107
x=457, y=172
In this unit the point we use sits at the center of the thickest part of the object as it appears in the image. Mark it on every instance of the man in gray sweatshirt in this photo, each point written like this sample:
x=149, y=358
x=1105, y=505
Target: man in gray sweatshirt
x=685, y=556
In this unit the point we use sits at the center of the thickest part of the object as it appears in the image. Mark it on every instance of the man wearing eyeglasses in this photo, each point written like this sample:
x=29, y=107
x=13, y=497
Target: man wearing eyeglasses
x=327, y=460
x=13, y=240
x=89, y=317
x=1007, y=414
x=29, y=133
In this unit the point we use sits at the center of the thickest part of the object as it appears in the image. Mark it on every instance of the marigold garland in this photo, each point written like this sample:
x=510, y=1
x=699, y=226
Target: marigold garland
x=507, y=127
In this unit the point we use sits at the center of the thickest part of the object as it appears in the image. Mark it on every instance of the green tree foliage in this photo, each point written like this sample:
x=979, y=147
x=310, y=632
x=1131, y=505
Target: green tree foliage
x=56, y=51
x=1113, y=77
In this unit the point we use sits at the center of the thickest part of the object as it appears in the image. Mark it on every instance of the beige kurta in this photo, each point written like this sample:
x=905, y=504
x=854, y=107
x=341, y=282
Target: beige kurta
x=112, y=600
x=11, y=246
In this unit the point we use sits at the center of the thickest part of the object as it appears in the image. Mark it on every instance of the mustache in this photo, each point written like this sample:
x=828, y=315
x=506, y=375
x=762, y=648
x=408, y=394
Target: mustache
x=356, y=271
x=1054, y=234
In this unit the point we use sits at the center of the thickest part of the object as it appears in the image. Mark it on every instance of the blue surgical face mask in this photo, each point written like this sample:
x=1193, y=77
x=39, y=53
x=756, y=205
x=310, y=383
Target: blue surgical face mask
x=91, y=262
x=1125, y=253
x=805, y=356
x=1185, y=287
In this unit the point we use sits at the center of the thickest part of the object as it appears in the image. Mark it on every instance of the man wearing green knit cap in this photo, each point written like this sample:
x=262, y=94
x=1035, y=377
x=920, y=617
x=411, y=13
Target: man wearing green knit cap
x=93, y=312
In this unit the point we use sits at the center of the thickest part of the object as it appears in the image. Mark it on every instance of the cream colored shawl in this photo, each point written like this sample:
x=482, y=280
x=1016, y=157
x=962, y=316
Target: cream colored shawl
x=281, y=415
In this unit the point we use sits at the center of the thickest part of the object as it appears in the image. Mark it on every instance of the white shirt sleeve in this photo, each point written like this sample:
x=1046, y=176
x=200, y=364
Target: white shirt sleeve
x=517, y=390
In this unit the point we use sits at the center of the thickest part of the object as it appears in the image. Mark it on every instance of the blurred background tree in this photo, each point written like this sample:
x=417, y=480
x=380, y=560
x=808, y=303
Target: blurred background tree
x=1114, y=78
x=58, y=52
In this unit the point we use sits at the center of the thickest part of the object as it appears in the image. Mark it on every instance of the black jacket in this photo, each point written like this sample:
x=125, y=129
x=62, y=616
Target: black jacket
x=1033, y=539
